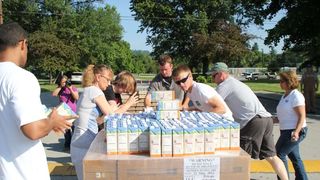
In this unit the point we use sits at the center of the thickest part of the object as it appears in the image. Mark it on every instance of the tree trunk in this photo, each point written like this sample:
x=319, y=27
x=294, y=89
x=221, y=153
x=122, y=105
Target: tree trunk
x=205, y=67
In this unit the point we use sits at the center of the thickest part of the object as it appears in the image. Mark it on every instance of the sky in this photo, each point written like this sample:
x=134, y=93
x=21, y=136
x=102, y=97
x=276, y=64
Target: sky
x=137, y=40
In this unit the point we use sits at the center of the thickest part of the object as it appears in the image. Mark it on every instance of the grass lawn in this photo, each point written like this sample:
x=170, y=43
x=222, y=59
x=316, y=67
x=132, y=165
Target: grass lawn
x=258, y=85
x=46, y=87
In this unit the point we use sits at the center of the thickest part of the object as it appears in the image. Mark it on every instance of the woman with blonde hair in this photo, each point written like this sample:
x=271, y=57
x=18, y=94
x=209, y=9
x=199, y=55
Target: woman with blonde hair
x=291, y=116
x=123, y=83
x=91, y=104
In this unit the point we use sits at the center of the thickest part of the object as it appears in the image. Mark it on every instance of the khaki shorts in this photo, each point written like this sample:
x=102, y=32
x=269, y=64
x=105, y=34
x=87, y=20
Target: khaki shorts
x=256, y=138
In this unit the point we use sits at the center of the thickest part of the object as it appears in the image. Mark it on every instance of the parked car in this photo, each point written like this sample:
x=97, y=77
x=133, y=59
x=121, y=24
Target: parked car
x=251, y=75
x=76, y=77
x=271, y=75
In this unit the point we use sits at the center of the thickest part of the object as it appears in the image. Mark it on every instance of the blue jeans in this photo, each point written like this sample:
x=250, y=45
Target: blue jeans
x=286, y=147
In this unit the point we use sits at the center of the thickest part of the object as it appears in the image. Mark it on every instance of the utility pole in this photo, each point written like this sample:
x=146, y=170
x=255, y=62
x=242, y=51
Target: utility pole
x=1, y=15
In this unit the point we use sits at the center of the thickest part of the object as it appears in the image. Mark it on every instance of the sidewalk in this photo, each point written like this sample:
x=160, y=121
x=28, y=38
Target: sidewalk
x=61, y=168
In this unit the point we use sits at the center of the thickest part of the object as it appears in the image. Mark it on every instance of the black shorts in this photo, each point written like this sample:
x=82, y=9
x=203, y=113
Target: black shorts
x=256, y=138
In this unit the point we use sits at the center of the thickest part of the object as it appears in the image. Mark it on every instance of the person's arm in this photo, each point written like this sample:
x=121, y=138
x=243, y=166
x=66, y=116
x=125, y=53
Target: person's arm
x=217, y=105
x=301, y=113
x=38, y=129
x=74, y=92
x=152, y=87
x=56, y=91
x=103, y=105
x=147, y=100
x=133, y=99
x=185, y=104
x=113, y=104
x=192, y=108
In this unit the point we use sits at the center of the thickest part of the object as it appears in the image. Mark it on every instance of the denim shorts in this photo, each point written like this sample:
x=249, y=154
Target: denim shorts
x=256, y=138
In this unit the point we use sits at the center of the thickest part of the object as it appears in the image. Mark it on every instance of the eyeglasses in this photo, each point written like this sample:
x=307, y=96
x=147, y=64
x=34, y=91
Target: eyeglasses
x=106, y=78
x=182, y=80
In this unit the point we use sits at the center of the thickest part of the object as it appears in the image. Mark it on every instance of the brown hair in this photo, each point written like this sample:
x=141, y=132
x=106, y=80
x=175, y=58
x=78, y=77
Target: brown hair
x=126, y=80
x=163, y=59
x=90, y=72
x=291, y=78
x=180, y=69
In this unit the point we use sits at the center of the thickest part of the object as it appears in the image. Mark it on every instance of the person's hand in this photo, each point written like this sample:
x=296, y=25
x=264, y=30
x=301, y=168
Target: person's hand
x=275, y=119
x=294, y=136
x=60, y=123
x=133, y=99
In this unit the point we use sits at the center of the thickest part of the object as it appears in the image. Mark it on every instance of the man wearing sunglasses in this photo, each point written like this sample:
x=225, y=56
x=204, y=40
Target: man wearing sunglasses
x=256, y=123
x=163, y=82
x=204, y=97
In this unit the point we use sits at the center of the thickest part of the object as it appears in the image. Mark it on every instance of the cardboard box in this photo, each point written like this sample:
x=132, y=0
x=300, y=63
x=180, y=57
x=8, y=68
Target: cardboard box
x=98, y=165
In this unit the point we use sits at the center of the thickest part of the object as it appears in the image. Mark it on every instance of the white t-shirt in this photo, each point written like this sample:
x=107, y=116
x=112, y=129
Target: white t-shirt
x=200, y=95
x=288, y=118
x=20, y=104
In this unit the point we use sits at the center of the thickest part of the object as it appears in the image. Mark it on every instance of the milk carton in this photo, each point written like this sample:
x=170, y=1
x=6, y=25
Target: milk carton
x=224, y=135
x=155, y=141
x=111, y=137
x=188, y=136
x=177, y=139
x=168, y=105
x=209, y=146
x=166, y=139
x=234, y=136
x=216, y=134
x=168, y=114
x=143, y=137
x=162, y=95
x=122, y=137
x=198, y=140
x=133, y=141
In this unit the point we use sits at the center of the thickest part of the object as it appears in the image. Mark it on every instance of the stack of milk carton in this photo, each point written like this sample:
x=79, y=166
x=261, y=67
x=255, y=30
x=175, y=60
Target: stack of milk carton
x=194, y=133
x=167, y=106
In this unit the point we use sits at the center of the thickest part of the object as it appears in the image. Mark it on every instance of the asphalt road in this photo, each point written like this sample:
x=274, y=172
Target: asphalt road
x=309, y=147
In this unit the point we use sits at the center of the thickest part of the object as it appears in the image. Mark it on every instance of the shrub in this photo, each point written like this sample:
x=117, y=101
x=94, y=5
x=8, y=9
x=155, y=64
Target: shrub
x=201, y=79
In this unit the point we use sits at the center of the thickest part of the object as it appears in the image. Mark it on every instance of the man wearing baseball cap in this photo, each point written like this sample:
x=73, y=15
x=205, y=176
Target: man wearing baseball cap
x=255, y=122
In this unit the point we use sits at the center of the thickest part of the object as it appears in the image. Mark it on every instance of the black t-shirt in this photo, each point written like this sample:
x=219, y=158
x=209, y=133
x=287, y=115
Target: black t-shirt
x=110, y=95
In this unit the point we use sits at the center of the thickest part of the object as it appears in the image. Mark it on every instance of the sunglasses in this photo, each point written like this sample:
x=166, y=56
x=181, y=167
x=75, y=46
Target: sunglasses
x=182, y=80
x=214, y=75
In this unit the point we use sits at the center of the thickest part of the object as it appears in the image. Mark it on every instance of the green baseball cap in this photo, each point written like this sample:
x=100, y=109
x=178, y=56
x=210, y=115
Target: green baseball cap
x=218, y=67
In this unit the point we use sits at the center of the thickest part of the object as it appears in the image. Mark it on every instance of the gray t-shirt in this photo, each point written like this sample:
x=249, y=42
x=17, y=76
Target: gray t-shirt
x=241, y=100
x=160, y=84
x=86, y=104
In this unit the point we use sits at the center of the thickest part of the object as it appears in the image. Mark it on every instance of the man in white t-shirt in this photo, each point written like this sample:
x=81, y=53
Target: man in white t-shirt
x=256, y=124
x=204, y=97
x=22, y=118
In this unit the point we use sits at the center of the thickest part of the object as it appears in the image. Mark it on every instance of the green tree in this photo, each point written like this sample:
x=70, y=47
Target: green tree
x=87, y=34
x=184, y=28
x=50, y=54
x=298, y=27
x=144, y=62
